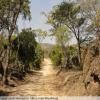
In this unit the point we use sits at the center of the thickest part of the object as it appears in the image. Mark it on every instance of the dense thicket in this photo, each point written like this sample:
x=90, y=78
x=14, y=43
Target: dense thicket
x=29, y=51
x=58, y=58
x=25, y=54
x=10, y=10
x=56, y=55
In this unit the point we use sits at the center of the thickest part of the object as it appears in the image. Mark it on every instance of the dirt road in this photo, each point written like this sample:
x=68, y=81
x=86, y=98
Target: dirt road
x=42, y=83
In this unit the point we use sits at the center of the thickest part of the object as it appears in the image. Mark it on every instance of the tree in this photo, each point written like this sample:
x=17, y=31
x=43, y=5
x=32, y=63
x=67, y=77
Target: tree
x=62, y=38
x=91, y=10
x=69, y=14
x=61, y=34
x=10, y=10
x=9, y=13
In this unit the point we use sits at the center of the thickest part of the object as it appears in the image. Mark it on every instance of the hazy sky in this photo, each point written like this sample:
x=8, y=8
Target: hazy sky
x=38, y=20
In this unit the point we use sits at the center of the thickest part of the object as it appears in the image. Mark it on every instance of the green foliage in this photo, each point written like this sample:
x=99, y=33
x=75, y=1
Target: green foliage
x=56, y=55
x=62, y=35
x=26, y=42
x=65, y=13
x=72, y=51
x=38, y=57
x=3, y=43
x=69, y=60
x=10, y=11
x=28, y=49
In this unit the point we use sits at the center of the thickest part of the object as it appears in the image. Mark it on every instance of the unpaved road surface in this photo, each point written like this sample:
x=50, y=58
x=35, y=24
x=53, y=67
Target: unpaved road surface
x=41, y=83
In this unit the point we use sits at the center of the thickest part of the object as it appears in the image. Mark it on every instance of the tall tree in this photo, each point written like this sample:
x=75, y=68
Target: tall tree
x=10, y=10
x=69, y=14
x=62, y=36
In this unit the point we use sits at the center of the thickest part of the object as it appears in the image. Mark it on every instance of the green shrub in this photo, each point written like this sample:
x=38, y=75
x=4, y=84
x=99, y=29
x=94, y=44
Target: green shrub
x=59, y=59
x=38, y=57
x=28, y=49
x=56, y=55
x=3, y=42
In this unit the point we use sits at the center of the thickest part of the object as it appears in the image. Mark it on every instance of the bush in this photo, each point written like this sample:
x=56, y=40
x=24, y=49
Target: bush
x=38, y=57
x=3, y=43
x=56, y=55
x=29, y=51
x=67, y=60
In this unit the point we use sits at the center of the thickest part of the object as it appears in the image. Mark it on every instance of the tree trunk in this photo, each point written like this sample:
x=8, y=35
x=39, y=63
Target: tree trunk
x=5, y=66
x=63, y=60
x=79, y=54
x=79, y=48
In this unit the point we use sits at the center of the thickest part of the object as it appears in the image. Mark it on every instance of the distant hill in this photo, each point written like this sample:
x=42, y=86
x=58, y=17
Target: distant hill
x=46, y=48
x=46, y=45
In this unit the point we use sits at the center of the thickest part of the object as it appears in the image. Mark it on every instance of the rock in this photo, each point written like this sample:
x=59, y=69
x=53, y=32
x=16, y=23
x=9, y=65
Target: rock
x=89, y=81
x=91, y=69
